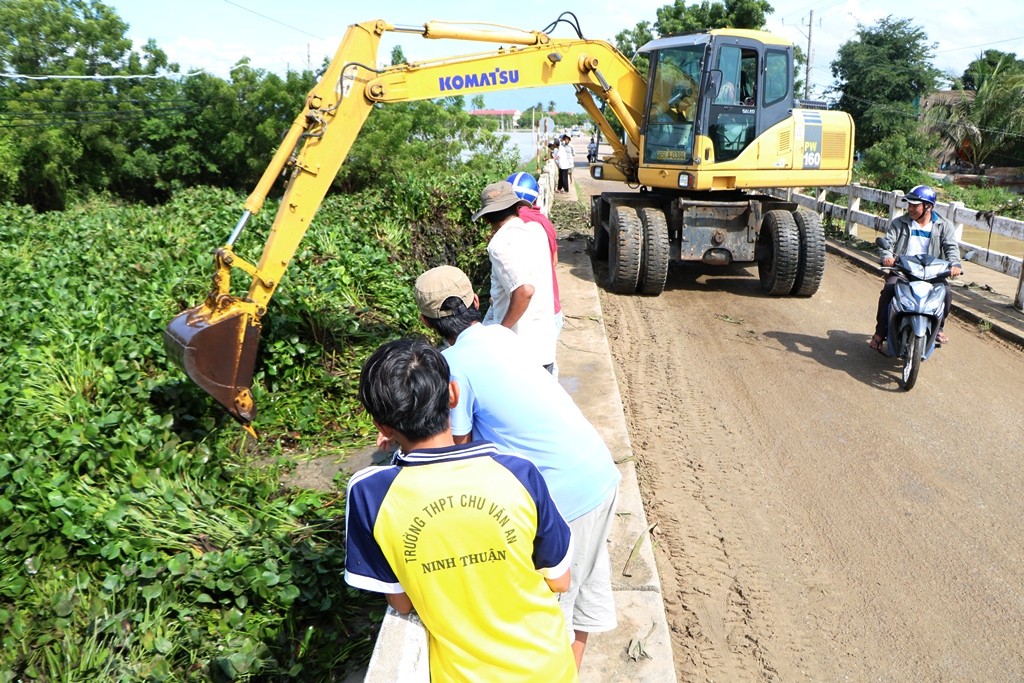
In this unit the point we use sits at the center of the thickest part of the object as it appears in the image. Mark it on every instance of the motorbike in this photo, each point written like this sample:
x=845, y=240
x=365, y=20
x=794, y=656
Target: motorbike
x=915, y=313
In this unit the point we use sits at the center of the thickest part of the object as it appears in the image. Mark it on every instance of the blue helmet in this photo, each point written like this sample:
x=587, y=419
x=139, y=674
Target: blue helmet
x=921, y=193
x=525, y=186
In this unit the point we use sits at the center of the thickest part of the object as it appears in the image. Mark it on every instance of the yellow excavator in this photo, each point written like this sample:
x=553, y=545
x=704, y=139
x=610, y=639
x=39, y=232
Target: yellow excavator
x=713, y=121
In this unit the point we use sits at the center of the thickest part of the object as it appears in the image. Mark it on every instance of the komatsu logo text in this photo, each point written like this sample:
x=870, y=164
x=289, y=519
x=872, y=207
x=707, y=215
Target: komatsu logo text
x=496, y=77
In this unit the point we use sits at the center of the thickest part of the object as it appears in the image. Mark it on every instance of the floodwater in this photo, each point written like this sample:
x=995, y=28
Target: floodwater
x=525, y=140
x=993, y=242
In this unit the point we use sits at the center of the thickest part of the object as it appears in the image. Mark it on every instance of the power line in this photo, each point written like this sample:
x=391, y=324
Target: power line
x=969, y=47
x=899, y=110
x=280, y=23
x=55, y=77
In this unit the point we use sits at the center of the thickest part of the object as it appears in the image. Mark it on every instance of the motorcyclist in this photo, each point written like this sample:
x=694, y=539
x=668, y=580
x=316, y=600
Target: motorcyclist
x=592, y=150
x=919, y=231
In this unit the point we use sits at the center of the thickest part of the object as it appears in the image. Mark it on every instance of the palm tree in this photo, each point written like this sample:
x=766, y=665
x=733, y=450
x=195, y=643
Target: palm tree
x=976, y=124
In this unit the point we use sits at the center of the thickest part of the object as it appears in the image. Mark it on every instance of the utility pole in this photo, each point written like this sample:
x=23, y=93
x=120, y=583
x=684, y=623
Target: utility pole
x=807, y=69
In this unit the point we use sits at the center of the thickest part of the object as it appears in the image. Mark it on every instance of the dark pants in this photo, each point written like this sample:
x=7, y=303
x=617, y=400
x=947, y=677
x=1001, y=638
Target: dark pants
x=563, y=179
x=888, y=292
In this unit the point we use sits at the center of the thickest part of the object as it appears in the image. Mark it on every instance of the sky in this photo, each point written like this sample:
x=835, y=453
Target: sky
x=214, y=34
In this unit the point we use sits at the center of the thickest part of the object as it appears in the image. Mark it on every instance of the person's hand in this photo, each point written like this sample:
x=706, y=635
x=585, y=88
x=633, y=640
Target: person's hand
x=954, y=271
x=888, y=262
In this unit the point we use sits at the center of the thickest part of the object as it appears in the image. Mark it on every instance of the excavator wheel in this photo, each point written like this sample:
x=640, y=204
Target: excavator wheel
x=654, y=266
x=778, y=248
x=624, y=249
x=219, y=356
x=811, y=265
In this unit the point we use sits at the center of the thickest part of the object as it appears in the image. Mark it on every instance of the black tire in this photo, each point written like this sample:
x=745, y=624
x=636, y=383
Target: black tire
x=912, y=362
x=600, y=234
x=811, y=265
x=779, y=252
x=654, y=264
x=625, y=243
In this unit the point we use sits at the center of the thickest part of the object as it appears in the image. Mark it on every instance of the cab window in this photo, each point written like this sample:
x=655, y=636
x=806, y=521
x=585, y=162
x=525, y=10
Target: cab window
x=776, y=76
x=675, y=80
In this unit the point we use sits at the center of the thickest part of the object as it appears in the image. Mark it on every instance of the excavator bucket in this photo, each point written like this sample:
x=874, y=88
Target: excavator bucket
x=218, y=355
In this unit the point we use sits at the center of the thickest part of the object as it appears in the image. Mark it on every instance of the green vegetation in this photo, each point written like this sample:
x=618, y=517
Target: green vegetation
x=145, y=537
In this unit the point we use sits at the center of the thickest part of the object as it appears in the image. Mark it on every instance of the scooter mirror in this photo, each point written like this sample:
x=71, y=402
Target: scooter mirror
x=883, y=243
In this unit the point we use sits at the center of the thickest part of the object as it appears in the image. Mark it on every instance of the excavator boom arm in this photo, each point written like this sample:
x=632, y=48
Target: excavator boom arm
x=215, y=342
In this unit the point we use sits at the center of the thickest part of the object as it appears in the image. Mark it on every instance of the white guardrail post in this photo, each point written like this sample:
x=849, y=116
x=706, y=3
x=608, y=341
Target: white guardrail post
x=852, y=206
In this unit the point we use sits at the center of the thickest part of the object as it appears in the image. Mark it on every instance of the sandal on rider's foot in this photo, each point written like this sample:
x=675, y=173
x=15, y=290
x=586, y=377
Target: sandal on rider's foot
x=941, y=338
x=876, y=343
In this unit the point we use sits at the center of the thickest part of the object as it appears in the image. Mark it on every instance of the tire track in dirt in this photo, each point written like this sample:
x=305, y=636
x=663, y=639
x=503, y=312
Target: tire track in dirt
x=719, y=611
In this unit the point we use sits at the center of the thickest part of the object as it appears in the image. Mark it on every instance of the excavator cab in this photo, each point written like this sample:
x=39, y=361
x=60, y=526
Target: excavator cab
x=739, y=84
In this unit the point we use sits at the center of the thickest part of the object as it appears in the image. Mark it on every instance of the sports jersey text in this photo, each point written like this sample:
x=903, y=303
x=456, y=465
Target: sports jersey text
x=498, y=513
x=489, y=555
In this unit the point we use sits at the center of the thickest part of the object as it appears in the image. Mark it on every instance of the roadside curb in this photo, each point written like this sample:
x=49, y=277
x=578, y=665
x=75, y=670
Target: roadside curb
x=640, y=648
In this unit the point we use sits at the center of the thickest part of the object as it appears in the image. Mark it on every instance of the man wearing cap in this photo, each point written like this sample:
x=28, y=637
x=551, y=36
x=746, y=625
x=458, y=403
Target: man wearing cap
x=919, y=231
x=522, y=296
x=505, y=398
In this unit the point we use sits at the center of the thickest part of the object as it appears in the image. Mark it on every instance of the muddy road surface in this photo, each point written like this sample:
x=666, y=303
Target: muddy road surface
x=814, y=521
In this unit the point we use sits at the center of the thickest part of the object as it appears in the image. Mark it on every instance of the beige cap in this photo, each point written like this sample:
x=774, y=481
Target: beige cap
x=437, y=284
x=495, y=197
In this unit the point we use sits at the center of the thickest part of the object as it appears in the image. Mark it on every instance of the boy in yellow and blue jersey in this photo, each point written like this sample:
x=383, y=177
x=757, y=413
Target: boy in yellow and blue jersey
x=466, y=536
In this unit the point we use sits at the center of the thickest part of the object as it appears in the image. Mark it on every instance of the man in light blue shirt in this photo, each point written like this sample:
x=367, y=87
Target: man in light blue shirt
x=507, y=398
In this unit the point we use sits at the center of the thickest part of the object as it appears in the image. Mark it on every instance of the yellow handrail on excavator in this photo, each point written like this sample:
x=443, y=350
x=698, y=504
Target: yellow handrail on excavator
x=216, y=342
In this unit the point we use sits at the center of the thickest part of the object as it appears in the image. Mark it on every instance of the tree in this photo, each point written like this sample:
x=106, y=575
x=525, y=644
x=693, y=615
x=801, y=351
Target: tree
x=73, y=135
x=425, y=137
x=986, y=64
x=987, y=122
x=882, y=74
x=678, y=18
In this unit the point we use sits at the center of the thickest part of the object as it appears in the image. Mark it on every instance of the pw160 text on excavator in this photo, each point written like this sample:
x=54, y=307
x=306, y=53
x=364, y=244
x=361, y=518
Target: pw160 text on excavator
x=714, y=120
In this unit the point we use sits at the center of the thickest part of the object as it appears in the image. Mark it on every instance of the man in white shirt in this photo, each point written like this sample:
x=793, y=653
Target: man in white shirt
x=565, y=159
x=522, y=296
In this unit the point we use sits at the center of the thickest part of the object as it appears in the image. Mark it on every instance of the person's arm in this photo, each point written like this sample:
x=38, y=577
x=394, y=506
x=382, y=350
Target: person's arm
x=888, y=258
x=462, y=438
x=950, y=249
x=517, y=304
x=561, y=584
x=401, y=603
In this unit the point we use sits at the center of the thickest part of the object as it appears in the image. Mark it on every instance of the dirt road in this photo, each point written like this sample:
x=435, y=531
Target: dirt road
x=815, y=522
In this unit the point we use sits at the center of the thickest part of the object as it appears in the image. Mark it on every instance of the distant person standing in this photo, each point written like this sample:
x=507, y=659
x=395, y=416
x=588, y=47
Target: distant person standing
x=565, y=161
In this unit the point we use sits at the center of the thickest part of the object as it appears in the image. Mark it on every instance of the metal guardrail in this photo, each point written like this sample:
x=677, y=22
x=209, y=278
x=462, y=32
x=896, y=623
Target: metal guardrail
x=955, y=212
